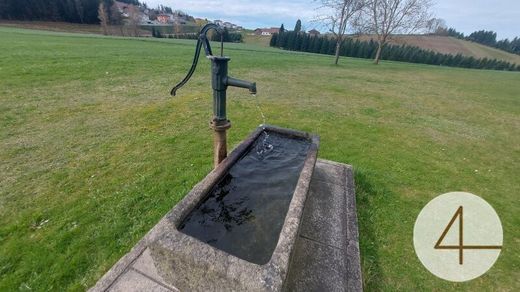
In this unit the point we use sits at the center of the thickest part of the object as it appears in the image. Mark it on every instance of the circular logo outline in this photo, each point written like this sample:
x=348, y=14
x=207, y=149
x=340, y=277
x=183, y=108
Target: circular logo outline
x=458, y=236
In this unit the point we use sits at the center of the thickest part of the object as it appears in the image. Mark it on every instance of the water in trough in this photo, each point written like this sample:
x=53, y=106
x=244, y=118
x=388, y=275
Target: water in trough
x=244, y=213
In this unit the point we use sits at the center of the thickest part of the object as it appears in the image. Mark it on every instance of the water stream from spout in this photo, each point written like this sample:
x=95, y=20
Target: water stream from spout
x=259, y=109
x=265, y=146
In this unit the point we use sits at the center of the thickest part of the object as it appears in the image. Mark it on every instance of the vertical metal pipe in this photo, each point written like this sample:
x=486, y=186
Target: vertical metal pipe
x=219, y=76
x=220, y=124
x=219, y=105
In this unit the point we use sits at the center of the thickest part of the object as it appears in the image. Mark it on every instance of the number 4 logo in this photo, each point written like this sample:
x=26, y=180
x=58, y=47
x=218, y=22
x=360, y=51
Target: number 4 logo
x=460, y=247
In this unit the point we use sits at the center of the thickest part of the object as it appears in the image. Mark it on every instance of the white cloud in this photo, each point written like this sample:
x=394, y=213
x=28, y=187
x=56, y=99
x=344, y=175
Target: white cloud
x=303, y=9
x=267, y=13
x=465, y=15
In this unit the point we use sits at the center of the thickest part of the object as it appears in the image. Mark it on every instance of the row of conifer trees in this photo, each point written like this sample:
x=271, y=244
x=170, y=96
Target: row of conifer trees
x=304, y=42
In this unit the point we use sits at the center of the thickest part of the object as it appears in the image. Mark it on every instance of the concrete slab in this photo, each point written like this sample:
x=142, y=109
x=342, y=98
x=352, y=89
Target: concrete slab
x=330, y=171
x=146, y=266
x=326, y=256
x=317, y=267
x=324, y=217
x=132, y=281
x=326, y=253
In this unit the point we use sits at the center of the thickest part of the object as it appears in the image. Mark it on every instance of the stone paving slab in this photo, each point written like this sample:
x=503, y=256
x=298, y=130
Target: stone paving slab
x=326, y=254
x=132, y=281
x=145, y=265
x=317, y=267
x=324, y=217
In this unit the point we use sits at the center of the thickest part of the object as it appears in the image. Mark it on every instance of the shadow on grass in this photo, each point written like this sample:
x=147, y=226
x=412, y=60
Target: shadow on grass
x=371, y=200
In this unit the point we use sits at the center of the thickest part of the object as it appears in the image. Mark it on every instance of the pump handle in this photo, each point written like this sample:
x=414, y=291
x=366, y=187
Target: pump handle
x=201, y=41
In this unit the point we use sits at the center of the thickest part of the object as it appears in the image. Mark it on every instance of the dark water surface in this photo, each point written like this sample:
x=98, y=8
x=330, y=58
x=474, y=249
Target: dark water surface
x=244, y=213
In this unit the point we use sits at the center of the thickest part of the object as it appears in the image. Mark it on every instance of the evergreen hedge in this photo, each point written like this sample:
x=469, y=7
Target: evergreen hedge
x=304, y=42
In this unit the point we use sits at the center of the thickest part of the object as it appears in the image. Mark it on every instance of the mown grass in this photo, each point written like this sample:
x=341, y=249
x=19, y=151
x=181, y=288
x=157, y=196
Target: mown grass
x=94, y=151
x=259, y=40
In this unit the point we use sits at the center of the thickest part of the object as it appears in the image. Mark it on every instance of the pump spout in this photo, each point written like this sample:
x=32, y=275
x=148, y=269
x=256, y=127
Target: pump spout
x=241, y=83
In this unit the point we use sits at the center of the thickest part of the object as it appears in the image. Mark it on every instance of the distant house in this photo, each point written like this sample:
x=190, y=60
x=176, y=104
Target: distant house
x=227, y=24
x=313, y=32
x=266, y=31
x=145, y=19
x=163, y=18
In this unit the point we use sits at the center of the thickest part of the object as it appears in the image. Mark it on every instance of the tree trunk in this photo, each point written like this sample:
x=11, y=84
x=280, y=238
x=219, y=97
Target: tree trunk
x=103, y=18
x=338, y=47
x=105, y=28
x=378, y=54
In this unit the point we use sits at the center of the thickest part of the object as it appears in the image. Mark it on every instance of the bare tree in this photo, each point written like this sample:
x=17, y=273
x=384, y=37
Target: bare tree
x=133, y=19
x=103, y=17
x=201, y=22
x=386, y=17
x=116, y=18
x=337, y=17
x=436, y=26
x=177, y=26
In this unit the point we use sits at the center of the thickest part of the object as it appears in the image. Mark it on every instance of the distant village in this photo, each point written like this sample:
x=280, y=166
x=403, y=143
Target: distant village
x=163, y=16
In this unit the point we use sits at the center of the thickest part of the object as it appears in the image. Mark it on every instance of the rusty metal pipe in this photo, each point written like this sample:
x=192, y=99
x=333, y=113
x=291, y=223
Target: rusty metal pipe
x=220, y=128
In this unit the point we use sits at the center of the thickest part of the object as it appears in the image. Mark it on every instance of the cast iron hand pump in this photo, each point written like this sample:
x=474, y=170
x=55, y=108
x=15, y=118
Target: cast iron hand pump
x=219, y=82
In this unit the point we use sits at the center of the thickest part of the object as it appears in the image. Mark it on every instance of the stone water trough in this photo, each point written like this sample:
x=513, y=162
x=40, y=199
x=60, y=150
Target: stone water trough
x=240, y=228
x=246, y=260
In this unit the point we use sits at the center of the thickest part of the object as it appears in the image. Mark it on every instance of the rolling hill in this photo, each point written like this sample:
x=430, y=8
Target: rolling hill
x=450, y=45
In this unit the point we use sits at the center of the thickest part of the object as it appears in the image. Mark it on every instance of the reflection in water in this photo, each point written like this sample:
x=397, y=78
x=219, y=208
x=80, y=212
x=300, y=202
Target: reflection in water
x=229, y=214
x=244, y=213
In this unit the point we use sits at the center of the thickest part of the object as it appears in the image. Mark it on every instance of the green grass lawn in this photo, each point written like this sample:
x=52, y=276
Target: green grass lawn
x=94, y=151
x=258, y=40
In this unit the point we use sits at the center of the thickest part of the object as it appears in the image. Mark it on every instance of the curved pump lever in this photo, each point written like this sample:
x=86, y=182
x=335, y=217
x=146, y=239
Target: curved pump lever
x=202, y=41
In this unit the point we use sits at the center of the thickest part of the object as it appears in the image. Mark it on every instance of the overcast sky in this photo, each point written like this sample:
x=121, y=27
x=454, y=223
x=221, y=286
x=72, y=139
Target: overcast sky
x=502, y=16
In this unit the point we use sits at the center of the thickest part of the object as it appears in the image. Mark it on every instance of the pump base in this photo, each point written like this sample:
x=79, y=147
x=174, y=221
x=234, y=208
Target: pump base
x=220, y=128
